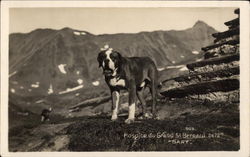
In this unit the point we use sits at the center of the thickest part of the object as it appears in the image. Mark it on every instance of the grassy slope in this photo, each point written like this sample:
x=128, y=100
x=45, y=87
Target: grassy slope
x=98, y=133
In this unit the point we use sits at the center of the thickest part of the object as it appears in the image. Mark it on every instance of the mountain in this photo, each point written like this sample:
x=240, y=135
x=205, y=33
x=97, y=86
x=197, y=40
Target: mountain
x=47, y=61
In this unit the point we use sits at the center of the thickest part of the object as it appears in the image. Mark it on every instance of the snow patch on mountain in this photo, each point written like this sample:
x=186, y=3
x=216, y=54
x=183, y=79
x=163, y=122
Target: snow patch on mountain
x=200, y=59
x=96, y=83
x=195, y=52
x=50, y=90
x=175, y=67
x=183, y=68
x=71, y=89
x=171, y=67
x=62, y=68
x=161, y=69
x=80, y=81
x=12, y=73
x=36, y=85
x=13, y=90
x=77, y=33
x=39, y=101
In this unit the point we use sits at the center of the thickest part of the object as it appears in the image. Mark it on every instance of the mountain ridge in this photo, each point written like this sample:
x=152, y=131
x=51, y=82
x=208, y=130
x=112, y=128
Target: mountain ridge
x=197, y=23
x=37, y=56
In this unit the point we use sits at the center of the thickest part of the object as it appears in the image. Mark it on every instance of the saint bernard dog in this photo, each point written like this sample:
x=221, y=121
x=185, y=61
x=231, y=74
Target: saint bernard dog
x=132, y=74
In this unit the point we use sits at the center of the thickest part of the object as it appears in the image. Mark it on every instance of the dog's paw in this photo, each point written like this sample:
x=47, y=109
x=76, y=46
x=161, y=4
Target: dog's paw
x=129, y=121
x=156, y=117
x=141, y=117
x=144, y=116
x=114, y=117
x=148, y=115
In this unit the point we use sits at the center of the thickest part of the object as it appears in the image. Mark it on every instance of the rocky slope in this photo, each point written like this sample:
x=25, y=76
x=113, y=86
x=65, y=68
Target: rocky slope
x=217, y=76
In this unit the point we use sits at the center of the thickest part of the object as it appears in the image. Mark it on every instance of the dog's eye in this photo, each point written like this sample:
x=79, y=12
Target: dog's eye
x=113, y=55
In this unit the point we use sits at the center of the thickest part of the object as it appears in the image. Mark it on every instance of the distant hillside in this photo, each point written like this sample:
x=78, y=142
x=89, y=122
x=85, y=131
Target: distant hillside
x=47, y=61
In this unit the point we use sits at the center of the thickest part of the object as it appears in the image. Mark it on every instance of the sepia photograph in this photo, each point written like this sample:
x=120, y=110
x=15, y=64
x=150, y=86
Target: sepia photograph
x=124, y=79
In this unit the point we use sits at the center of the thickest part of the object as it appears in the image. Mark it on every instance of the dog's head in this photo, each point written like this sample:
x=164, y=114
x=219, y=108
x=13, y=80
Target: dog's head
x=109, y=60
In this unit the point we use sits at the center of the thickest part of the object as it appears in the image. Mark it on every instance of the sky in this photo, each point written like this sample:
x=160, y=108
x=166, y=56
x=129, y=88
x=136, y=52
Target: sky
x=117, y=20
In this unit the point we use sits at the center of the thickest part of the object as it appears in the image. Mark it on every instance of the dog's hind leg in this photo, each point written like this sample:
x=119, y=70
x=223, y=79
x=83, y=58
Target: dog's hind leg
x=140, y=96
x=153, y=92
x=132, y=102
x=153, y=89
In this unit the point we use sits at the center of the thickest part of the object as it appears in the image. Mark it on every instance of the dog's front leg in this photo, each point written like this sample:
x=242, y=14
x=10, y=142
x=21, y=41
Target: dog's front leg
x=115, y=104
x=132, y=101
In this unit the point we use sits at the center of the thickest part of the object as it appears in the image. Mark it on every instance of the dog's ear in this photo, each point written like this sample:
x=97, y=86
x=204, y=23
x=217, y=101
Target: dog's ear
x=119, y=59
x=100, y=58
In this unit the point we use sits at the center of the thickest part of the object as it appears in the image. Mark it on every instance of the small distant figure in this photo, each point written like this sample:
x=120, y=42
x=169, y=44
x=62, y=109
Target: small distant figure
x=45, y=114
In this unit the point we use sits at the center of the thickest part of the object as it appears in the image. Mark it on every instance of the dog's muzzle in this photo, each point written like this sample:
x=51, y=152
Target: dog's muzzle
x=107, y=72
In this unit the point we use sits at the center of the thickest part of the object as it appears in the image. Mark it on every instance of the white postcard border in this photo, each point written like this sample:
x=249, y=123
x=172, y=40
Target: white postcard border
x=244, y=72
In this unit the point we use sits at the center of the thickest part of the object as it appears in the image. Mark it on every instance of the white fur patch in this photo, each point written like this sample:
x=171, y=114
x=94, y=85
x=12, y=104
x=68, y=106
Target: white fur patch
x=117, y=100
x=142, y=84
x=115, y=110
x=131, y=113
x=116, y=82
x=111, y=63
